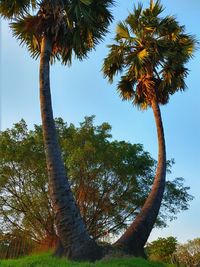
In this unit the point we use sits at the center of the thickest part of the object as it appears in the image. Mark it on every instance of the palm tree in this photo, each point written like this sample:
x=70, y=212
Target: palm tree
x=150, y=53
x=60, y=29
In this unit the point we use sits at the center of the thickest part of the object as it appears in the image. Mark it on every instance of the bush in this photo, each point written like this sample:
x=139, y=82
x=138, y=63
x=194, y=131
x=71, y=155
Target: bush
x=162, y=249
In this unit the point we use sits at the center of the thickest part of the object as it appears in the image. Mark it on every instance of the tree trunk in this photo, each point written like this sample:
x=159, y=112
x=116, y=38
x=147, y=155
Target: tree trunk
x=135, y=237
x=75, y=240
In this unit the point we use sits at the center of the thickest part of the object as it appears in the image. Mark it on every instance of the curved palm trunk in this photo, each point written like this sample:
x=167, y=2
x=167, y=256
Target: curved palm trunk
x=71, y=229
x=135, y=237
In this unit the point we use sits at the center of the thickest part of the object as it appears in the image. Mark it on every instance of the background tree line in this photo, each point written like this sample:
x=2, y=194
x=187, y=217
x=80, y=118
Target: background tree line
x=168, y=250
x=110, y=180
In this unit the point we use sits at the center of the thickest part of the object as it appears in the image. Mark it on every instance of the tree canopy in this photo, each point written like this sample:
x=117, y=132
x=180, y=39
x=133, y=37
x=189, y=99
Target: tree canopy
x=162, y=249
x=110, y=180
x=188, y=254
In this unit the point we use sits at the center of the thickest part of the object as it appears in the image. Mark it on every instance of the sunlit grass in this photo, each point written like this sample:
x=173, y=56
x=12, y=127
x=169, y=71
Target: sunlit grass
x=47, y=260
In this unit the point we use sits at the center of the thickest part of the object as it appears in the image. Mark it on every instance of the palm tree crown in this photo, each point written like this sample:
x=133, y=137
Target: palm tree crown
x=74, y=26
x=151, y=51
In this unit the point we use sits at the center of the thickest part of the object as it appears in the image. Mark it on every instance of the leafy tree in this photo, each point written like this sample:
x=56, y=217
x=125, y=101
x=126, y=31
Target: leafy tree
x=162, y=249
x=188, y=254
x=150, y=52
x=110, y=180
x=59, y=29
x=24, y=200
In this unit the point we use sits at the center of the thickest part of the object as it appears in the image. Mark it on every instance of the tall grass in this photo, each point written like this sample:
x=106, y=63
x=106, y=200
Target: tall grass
x=47, y=260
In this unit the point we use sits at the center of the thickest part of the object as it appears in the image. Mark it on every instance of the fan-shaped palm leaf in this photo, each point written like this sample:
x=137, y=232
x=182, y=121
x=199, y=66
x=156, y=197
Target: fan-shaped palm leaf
x=11, y=8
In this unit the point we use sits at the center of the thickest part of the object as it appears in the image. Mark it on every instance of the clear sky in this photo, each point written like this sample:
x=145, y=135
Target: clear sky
x=81, y=90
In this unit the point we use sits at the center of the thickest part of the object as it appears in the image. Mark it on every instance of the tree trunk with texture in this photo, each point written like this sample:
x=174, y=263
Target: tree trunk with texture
x=75, y=240
x=135, y=237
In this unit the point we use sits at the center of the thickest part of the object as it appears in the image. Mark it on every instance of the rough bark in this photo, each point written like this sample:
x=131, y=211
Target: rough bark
x=135, y=237
x=75, y=240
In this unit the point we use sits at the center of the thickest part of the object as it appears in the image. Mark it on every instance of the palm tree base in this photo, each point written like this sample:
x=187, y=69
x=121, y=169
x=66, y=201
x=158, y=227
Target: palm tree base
x=131, y=249
x=89, y=251
x=137, y=252
x=92, y=252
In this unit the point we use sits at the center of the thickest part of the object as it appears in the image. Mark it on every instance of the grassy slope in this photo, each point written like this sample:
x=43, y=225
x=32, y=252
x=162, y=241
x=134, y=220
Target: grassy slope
x=46, y=260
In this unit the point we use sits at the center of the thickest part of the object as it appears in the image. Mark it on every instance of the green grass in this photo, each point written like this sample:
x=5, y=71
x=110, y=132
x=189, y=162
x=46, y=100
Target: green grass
x=47, y=260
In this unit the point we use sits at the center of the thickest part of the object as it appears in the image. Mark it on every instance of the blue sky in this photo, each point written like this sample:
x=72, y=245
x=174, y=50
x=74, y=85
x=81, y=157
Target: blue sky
x=81, y=90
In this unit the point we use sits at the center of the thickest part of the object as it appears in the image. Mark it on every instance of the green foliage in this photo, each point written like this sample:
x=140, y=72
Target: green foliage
x=110, y=180
x=188, y=255
x=44, y=260
x=24, y=189
x=150, y=53
x=162, y=249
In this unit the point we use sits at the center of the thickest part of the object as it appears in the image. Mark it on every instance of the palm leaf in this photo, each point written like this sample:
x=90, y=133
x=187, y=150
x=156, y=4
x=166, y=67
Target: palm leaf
x=13, y=8
x=114, y=63
x=122, y=31
x=86, y=2
x=125, y=88
x=157, y=9
x=142, y=55
x=25, y=29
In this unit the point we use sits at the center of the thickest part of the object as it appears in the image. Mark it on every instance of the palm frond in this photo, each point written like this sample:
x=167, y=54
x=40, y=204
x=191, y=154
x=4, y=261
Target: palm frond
x=114, y=62
x=86, y=2
x=23, y=29
x=169, y=27
x=13, y=8
x=137, y=11
x=122, y=31
x=137, y=62
x=142, y=55
x=188, y=44
x=90, y=23
x=133, y=20
x=125, y=88
x=157, y=9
